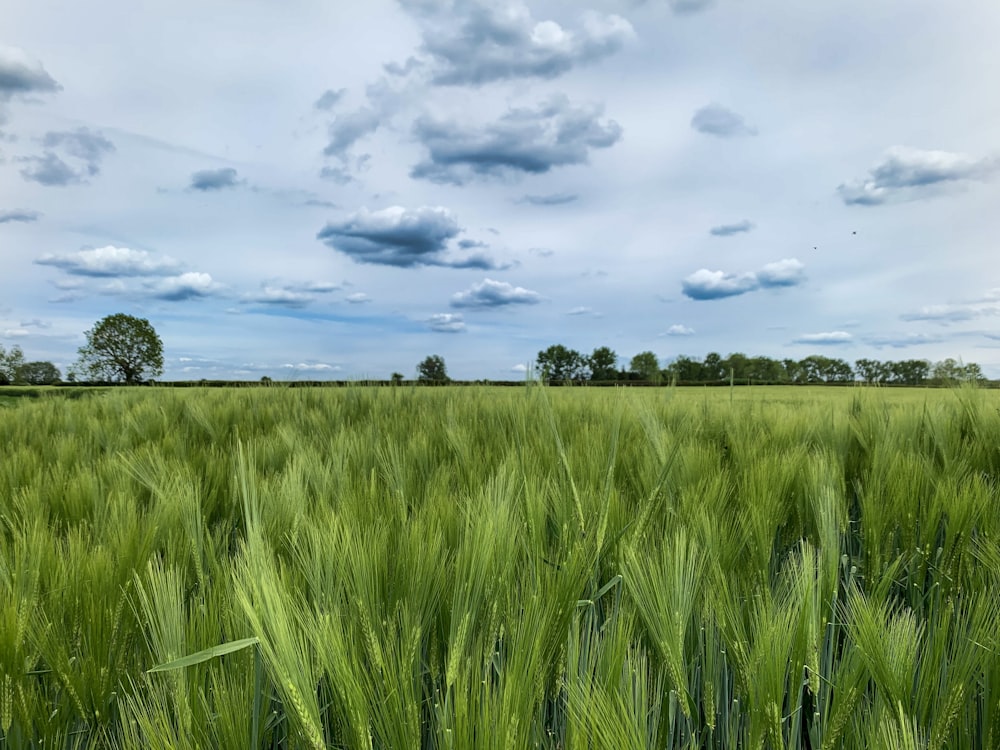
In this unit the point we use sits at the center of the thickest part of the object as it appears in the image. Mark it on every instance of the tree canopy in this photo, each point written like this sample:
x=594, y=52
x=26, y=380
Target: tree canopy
x=433, y=369
x=10, y=363
x=121, y=348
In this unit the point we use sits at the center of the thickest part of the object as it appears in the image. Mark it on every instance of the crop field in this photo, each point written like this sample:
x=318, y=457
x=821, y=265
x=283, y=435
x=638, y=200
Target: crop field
x=464, y=568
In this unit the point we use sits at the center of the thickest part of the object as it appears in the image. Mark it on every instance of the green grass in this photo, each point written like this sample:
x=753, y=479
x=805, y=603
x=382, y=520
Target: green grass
x=466, y=568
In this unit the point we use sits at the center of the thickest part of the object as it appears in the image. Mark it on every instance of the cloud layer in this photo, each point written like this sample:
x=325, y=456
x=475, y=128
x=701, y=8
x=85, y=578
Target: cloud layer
x=714, y=119
x=18, y=214
x=208, y=180
x=84, y=149
x=111, y=261
x=728, y=230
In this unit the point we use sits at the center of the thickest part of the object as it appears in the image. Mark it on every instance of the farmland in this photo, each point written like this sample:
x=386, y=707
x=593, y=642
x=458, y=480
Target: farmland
x=500, y=568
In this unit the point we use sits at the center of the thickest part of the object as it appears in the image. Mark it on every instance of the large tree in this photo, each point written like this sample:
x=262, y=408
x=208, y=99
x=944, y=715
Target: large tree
x=38, y=373
x=121, y=348
x=10, y=363
x=603, y=364
x=433, y=369
x=558, y=364
x=646, y=366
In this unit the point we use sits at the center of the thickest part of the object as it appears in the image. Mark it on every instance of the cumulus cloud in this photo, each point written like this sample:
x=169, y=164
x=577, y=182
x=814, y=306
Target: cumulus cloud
x=704, y=284
x=111, y=261
x=680, y=330
x=207, y=180
x=554, y=199
x=186, y=286
x=350, y=127
x=475, y=43
x=18, y=214
x=714, y=119
x=727, y=230
x=401, y=237
x=447, y=323
x=84, y=148
x=358, y=298
x=910, y=173
x=827, y=338
x=523, y=141
x=492, y=294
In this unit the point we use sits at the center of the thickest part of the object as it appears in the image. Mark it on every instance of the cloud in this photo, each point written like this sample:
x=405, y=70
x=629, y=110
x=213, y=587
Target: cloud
x=447, y=323
x=329, y=99
x=727, y=230
x=279, y=297
x=685, y=7
x=828, y=338
x=555, y=199
x=519, y=368
x=496, y=42
x=680, y=330
x=493, y=294
x=311, y=367
x=704, y=284
x=523, y=141
x=18, y=214
x=358, y=298
x=714, y=119
x=35, y=323
x=191, y=285
x=85, y=148
x=401, y=237
x=902, y=341
x=214, y=179
x=21, y=76
x=111, y=261
x=580, y=311
x=909, y=173
x=986, y=306
x=347, y=129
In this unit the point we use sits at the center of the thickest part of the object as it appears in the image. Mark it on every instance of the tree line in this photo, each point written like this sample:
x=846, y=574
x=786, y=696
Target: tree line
x=559, y=364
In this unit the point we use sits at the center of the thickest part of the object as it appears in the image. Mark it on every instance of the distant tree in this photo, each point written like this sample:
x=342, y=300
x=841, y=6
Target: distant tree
x=558, y=364
x=737, y=366
x=38, y=373
x=711, y=368
x=603, y=363
x=870, y=371
x=646, y=366
x=909, y=371
x=266, y=380
x=685, y=369
x=433, y=369
x=10, y=363
x=121, y=348
x=951, y=372
x=397, y=378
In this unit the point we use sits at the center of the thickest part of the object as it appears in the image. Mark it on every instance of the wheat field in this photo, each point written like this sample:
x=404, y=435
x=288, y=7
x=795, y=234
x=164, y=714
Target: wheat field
x=464, y=568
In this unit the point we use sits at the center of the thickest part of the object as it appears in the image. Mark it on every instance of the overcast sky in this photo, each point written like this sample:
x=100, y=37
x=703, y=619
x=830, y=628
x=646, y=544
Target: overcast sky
x=327, y=189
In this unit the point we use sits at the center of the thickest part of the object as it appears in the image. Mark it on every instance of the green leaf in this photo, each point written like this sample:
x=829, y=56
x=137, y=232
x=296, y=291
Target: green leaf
x=209, y=653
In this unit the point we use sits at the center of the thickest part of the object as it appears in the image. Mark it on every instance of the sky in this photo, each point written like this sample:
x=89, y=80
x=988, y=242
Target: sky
x=321, y=189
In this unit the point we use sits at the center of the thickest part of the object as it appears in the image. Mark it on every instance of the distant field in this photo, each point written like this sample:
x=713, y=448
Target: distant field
x=476, y=567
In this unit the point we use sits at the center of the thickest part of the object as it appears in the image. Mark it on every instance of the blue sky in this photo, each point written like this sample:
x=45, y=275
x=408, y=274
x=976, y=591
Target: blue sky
x=318, y=189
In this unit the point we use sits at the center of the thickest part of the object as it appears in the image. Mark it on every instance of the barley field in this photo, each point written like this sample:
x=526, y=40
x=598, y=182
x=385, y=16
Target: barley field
x=498, y=568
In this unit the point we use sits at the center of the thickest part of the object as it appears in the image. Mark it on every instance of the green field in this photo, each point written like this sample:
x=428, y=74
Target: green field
x=502, y=568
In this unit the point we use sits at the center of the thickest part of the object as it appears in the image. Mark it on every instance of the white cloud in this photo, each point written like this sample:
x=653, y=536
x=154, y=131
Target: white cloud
x=191, y=285
x=680, y=330
x=828, y=337
x=447, y=323
x=358, y=298
x=492, y=294
x=111, y=261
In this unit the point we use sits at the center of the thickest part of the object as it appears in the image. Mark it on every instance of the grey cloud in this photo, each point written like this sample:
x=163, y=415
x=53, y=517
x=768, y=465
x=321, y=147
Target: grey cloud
x=902, y=341
x=340, y=175
x=51, y=171
x=684, y=7
x=711, y=285
x=714, y=119
x=329, y=99
x=469, y=244
x=187, y=286
x=501, y=42
x=207, y=180
x=18, y=214
x=827, y=338
x=525, y=141
x=447, y=323
x=111, y=261
x=554, y=199
x=21, y=75
x=727, y=230
x=347, y=129
x=401, y=237
x=986, y=306
x=85, y=147
x=492, y=294
x=913, y=173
